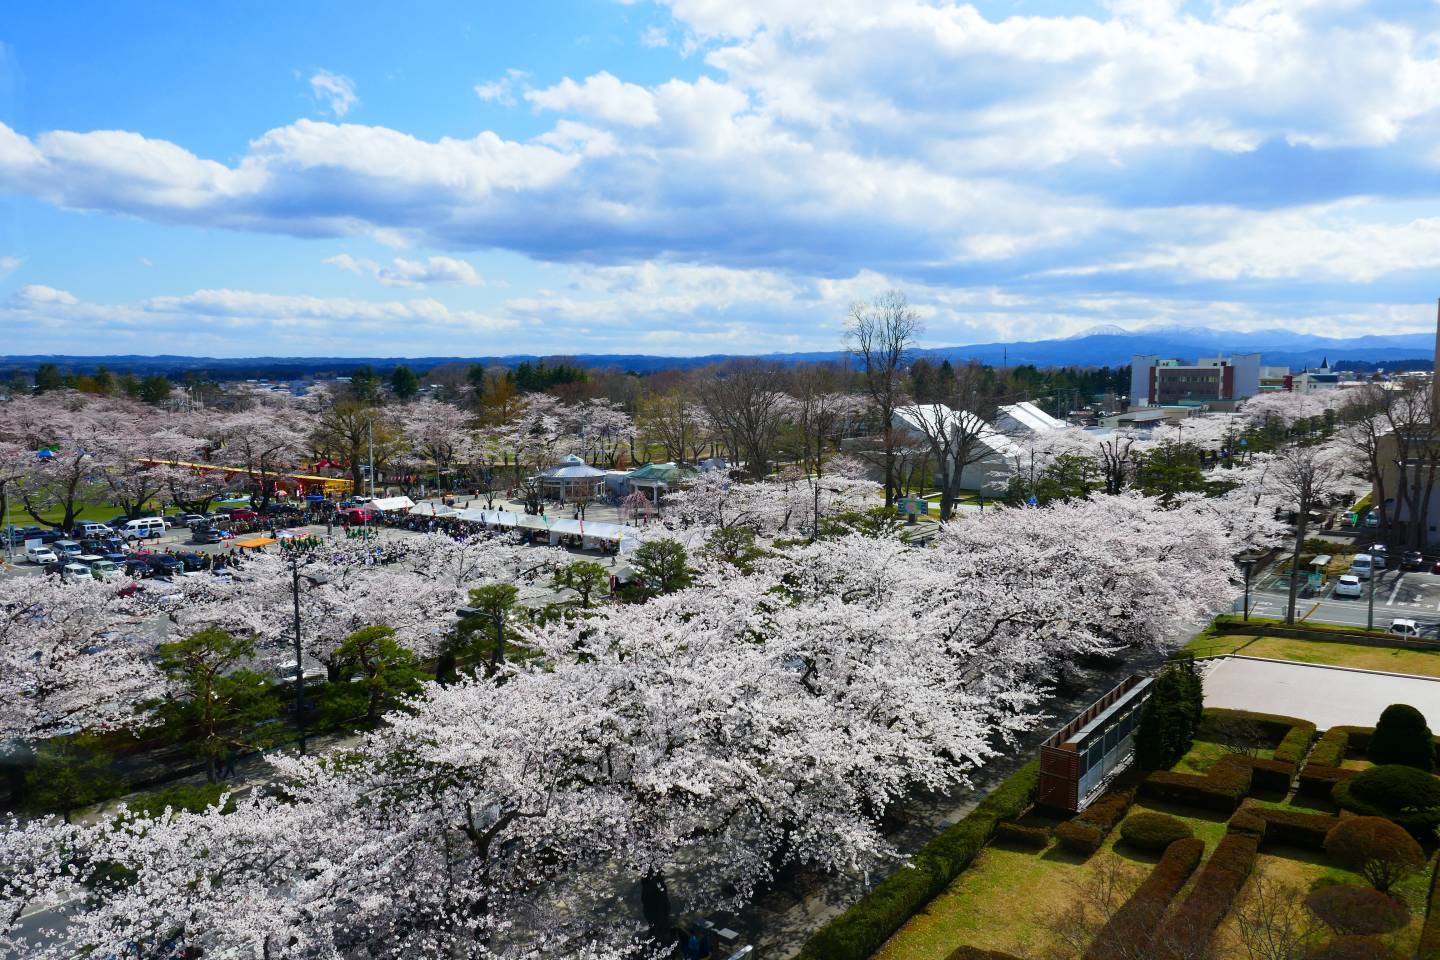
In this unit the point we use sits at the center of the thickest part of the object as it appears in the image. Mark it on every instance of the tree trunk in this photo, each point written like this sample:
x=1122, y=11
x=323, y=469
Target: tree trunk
x=1300, y=528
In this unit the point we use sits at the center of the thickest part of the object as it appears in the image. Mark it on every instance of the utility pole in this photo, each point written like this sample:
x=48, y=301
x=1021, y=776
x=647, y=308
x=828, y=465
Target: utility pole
x=1370, y=615
x=370, y=439
x=1249, y=563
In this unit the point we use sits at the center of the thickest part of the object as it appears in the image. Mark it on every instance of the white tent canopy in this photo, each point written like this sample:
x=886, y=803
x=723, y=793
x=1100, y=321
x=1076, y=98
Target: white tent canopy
x=597, y=531
x=432, y=510
x=392, y=503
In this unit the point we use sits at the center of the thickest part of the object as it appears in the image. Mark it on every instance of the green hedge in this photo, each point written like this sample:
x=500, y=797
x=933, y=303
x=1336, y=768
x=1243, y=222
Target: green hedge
x=1154, y=831
x=1246, y=821
x=975, y=953
x=1270, y=774
x=1330, y=749
x=869, y=922
x=1408, y=796
x=1210, y=898
x=1306, y=830
x=1022, y=835
x=1318, y=782
x=1132, y=926
x=1291, y=734
x=1221, y=790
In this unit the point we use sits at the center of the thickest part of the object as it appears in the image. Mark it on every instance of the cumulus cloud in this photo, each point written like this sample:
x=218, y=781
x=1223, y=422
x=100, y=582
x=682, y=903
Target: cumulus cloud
x=411, y=273
x=1155, y=156
x=335, y=91
x=8, y=263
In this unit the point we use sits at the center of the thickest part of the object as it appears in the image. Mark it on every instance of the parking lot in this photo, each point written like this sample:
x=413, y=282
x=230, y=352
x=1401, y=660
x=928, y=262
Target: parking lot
x=1398, y=593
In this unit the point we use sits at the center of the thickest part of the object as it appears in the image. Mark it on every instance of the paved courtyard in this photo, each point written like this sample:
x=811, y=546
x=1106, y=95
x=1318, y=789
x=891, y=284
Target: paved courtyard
x=1327, y=696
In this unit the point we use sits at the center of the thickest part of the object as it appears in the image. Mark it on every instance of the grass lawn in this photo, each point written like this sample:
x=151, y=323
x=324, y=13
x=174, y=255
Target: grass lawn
x=1009, y=895
x=100, y=512
x=1204, y=754
x=1305, y=870
x=1425, y=663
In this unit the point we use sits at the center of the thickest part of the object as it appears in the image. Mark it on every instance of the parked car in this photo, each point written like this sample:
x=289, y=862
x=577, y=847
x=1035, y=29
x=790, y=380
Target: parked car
x=67, y=548
x=1381, y=555
x=164, y=565
x=188, y=519
x=115, y=556
x=116, y=522
x=1348, y=586
x=242, y=515
x=75, y=569
x=1372, y=519
x=137, y=567
x=89, y=559
x=191, y=561
x=90, y=528
x=1404, y=628
x=1362, y=565
x=143, y=528
x=207, y=534
x=104, y=570
x=42, y=555
x=1412, y=560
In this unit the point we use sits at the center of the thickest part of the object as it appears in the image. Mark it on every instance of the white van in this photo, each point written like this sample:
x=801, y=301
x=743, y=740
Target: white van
x=144, y=527
x=1362, y=566
x=90, y=528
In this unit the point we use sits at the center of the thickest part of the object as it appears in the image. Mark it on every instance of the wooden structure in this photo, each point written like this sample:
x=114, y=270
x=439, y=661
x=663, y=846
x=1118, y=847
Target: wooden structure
x=1078, y=759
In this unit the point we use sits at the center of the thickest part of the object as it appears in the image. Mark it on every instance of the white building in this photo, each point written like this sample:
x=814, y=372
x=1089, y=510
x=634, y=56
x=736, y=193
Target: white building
x=992, y=465
x=1025, y=418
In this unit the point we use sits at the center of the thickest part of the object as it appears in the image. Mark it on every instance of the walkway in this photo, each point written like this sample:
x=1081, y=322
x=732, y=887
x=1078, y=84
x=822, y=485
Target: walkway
x=1326, y=696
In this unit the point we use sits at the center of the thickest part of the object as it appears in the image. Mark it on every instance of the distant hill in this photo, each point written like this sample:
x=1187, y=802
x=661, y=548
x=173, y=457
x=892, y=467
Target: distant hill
x=1100, y=346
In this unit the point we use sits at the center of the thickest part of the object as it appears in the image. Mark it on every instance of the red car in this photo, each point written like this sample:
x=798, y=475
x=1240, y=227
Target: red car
x=358, y=514
x=243, y=515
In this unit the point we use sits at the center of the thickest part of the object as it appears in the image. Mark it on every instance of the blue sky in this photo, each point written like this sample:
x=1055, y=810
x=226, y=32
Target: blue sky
x=696, y=176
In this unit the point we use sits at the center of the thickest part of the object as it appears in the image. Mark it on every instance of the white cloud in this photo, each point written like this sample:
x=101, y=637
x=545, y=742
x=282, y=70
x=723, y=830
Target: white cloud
x=411, y=273
x=602, y=96
x=36, y=293
x=654, y=38
x=8, y=263
x=335, y=91
x=501, y=90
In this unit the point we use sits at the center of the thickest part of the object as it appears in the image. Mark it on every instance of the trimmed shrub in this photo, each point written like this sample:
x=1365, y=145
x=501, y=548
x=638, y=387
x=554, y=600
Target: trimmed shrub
x=1402, y=737
x=1307, y=830
x=1408, y=796
x=975, y=953
x=1154, y=831
x=1293, y=745
x=1222, y=789
x=1352, y=948
x=1348, y=909
x=1246, y=821
x=869, y=922
x=1329, y=750
x=1022, y=835
x=1377, y=849
x=1132, y=926
x=1318, y=782
x=1215, y=888
x=1079, y=837
x=1270, y=774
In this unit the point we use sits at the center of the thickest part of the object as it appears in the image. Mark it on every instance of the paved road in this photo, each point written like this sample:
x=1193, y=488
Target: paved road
x=1408, y=594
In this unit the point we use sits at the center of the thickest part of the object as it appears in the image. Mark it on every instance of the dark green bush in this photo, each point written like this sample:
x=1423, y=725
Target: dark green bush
x=1402, y=737
x=1349, y=909
x=1022, y=835
x=1270, y=774
x=975, y=953
x=1380, y=851
x=1329, y=750
x=1406, y=795
x=1172, y=715
x=1132, y=926
x=1154, y=831
x=869, y=922
x=195, y=799
x=1209, y=900
x=1246, y=821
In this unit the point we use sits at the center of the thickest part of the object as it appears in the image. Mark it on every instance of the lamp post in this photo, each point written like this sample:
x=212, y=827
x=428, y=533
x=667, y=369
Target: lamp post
x=298, y=551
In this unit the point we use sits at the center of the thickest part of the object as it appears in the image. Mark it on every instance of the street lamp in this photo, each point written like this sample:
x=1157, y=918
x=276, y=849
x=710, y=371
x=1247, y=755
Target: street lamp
x=298, y=551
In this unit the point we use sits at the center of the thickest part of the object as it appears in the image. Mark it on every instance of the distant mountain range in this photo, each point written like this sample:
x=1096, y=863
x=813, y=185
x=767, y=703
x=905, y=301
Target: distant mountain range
x=1106, y=345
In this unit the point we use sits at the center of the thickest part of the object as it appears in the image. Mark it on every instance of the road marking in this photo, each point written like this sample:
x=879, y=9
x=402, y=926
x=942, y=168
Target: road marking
x=1394, y=590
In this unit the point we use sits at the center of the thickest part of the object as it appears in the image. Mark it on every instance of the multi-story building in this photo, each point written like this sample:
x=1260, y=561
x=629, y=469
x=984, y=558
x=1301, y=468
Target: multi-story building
x=1154, y=380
